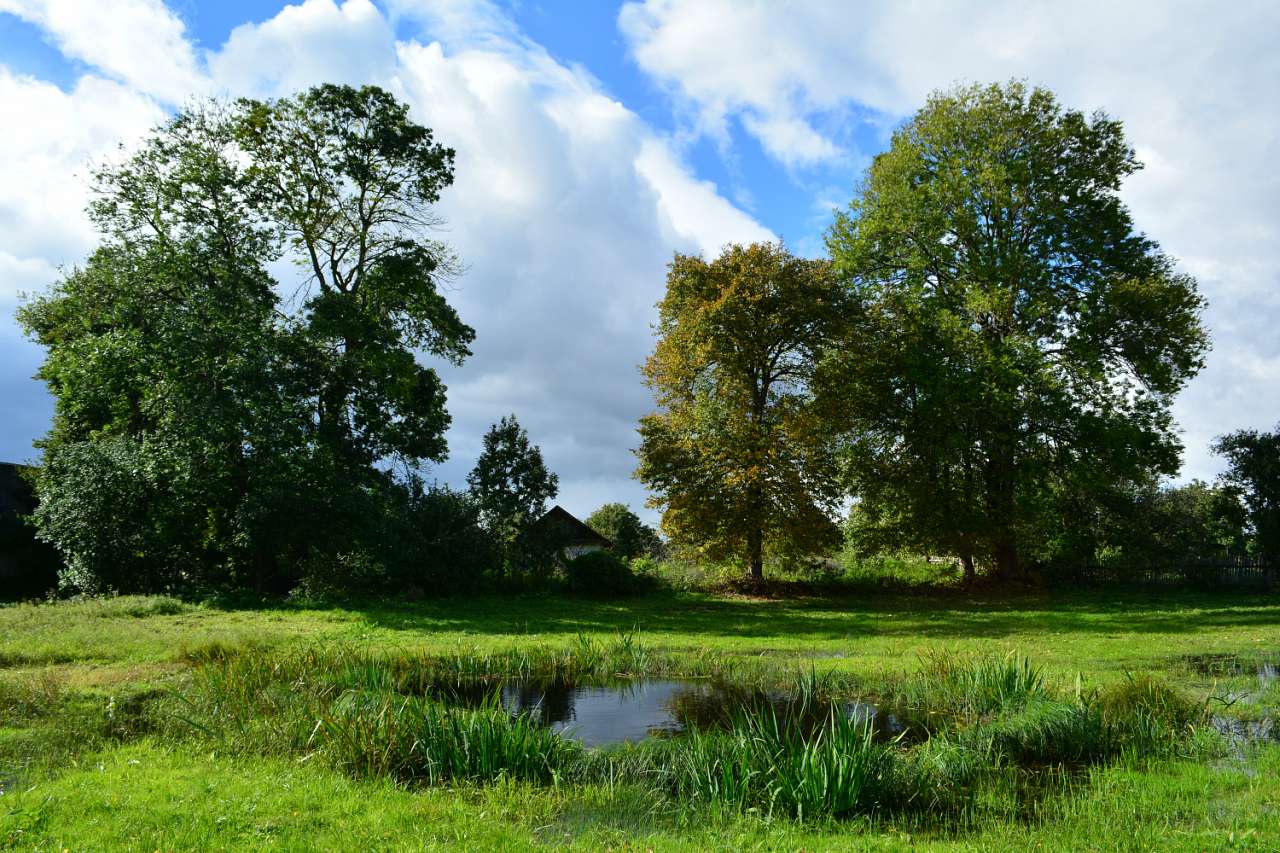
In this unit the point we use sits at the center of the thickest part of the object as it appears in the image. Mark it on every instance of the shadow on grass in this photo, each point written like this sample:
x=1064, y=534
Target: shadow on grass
x=828, y=618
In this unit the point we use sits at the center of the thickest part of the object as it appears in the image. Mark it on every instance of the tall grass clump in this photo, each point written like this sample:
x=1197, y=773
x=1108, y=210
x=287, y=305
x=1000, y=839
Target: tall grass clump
x=411, y=739
x=975, y=685
x=761, y=762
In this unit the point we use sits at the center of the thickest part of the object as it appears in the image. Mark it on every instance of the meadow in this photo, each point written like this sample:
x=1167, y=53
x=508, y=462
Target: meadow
x=1061, y=720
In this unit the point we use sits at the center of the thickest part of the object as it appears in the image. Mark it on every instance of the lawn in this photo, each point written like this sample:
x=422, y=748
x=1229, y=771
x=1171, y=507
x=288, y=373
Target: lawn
x=77, y=772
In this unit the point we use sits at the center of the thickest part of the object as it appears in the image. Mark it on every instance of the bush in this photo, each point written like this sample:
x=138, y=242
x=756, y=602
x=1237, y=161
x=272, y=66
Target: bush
x=450, y=550
x=599, y=573
x=328, y=577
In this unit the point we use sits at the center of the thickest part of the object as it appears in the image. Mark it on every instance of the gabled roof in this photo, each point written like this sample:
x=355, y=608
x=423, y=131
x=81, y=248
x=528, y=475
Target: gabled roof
x=569, y=529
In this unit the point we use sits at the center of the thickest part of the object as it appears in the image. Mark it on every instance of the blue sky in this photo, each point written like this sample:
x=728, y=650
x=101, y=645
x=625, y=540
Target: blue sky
x=597, y=138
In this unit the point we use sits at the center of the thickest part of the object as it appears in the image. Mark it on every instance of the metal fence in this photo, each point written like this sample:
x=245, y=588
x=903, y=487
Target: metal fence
x=1224, y=572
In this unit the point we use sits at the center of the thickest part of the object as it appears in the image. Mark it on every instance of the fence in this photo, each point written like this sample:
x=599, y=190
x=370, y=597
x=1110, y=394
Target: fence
x=1245, y=572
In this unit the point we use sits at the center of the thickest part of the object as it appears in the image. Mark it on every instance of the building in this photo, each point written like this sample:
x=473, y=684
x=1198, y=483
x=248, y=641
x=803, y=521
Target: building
x=571, y=536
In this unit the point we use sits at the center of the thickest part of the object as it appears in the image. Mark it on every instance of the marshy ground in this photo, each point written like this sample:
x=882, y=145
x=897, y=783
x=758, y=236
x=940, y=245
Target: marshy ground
x=1064, y=721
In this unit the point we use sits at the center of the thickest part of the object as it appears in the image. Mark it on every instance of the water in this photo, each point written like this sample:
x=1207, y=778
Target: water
x=634, y=710
x=1265, y=666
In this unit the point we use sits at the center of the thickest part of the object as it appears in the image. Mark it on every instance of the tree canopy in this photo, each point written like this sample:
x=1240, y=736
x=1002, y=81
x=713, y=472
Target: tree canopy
x=1014, y=332
x=737, y=454
x=630, y=536
x=207, y=426
x=510, y=482
x=1253, y=477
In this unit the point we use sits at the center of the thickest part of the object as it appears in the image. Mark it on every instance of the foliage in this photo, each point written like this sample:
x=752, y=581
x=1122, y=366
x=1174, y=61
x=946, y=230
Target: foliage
x=763, y=764
x=226, y=436
x=738, y=454
x=630, y=536
x=350, y=181
x=1015, y=333
x=450, y=550
x=1137, y=526
x=416, y=740
x=1253, y=476
x=511, y=486
x=599, y=573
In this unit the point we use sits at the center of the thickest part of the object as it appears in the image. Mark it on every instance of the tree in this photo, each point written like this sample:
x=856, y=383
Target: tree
x=511, y=483
x=172, y=440
x=630, y=536
x=1253, y=477
x=350, y=180
x=737, y=454
x=253, y=426
x=1014, y=333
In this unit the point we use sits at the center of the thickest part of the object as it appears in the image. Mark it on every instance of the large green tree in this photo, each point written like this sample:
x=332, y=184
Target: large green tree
x=737, y=454
x=207, y=430
x=630, y=536
x=1253, y=477
x=351, y=180
x=1014, y=333
x=172, y=439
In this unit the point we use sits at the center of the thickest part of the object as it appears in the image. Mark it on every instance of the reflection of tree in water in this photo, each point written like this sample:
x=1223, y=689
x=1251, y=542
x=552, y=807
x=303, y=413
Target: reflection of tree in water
x=548, y=702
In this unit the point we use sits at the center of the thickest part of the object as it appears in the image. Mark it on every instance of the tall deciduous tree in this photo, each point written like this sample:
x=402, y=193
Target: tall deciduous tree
x=172, y=439
x=350, y=180
x=1253, y=476
x=737, y=455
x=223, y=427
x=1014, y=329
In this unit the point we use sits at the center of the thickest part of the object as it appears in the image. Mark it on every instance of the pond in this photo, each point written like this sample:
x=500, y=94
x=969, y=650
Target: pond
x=634, y=710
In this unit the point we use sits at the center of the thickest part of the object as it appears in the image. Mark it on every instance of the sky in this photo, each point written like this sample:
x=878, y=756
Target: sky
x=595, y=139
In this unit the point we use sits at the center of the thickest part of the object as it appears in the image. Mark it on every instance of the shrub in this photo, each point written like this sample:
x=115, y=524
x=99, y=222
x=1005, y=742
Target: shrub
x=450, y=550
x=599, y=573
x=326, y=577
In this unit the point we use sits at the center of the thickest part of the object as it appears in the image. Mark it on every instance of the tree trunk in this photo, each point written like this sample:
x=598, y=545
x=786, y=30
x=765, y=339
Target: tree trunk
x=755, y=553
x=970, y=573
x=1008, y=566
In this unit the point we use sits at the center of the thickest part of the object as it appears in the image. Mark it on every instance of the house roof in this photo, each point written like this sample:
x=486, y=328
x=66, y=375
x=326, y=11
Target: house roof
x=569, y=528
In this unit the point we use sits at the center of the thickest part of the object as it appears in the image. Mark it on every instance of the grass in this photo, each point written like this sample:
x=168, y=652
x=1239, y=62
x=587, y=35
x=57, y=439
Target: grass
x=152, y=723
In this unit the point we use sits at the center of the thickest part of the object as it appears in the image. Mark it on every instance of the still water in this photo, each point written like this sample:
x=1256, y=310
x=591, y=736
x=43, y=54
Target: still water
x=634, y=710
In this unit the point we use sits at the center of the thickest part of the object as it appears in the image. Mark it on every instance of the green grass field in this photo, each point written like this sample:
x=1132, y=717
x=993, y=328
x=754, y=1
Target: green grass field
x=80, y=770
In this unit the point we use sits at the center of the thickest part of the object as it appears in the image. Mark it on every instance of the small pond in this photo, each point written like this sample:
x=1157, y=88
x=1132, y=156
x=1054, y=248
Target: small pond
x=634, y=710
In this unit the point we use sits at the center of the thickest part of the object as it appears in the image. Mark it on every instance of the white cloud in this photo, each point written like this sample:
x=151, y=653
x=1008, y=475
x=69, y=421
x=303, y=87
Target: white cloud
x=566, y=210
x=139, y=42
x=45, y=160
x=1195, y=85
x=313, y=42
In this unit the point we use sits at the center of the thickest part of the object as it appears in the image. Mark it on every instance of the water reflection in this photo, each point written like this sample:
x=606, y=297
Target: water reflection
x=634, y=710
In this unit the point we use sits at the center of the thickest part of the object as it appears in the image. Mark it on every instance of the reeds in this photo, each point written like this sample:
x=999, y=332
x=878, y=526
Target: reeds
x=392, y=715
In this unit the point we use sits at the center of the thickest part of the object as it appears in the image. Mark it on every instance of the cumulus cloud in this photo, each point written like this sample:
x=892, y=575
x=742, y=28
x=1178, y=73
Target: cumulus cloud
x=139, y=42
x=566, y=209
x=44, y=163
x=315, y=41
x=1195, y=85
